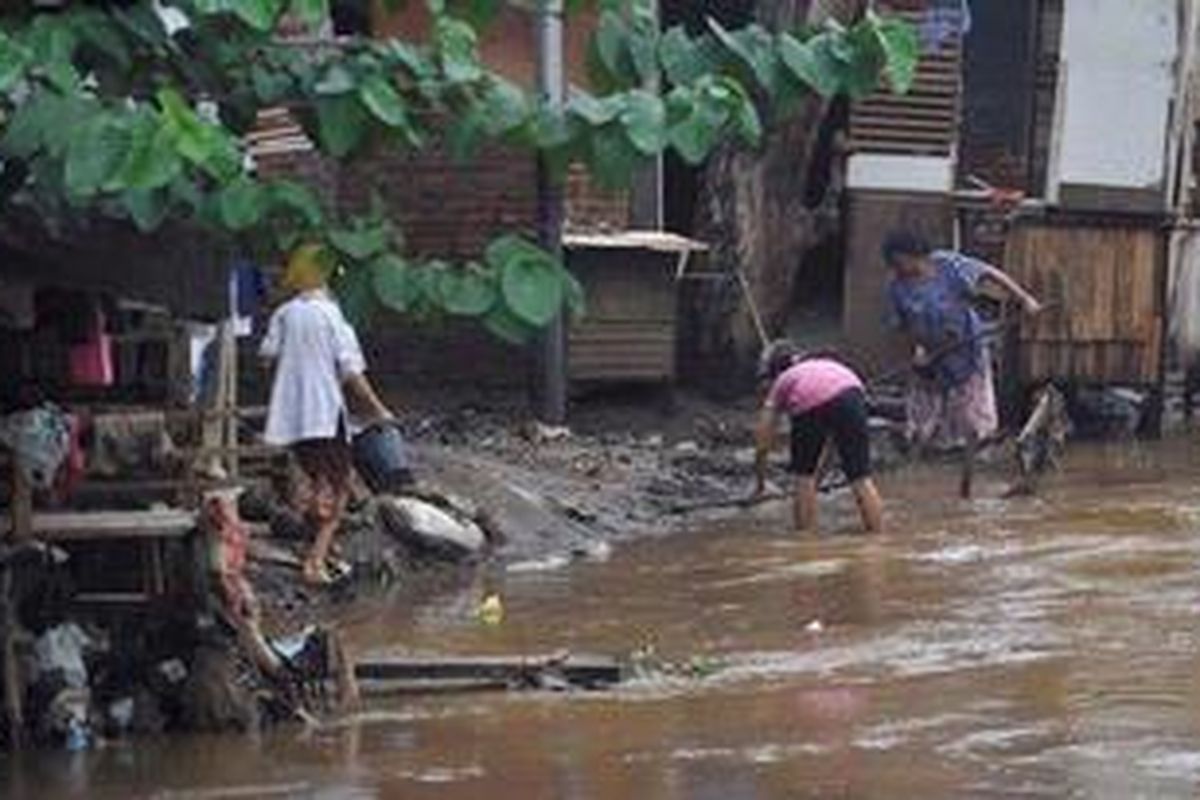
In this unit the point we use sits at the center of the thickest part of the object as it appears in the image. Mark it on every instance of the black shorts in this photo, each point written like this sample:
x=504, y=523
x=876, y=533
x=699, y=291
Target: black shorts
x=843, y=419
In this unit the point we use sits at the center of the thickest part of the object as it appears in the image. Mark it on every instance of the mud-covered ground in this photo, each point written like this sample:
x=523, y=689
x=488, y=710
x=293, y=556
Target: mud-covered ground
x=626, y=466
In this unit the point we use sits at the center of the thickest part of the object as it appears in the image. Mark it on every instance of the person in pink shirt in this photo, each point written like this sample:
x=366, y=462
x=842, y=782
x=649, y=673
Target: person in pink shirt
x=826, y=401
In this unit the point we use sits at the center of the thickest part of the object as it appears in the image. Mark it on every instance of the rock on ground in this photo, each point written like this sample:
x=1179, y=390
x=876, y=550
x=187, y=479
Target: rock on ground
x=431, y=527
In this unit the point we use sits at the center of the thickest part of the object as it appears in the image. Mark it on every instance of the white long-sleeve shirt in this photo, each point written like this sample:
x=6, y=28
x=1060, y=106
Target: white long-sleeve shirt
x=315, y=350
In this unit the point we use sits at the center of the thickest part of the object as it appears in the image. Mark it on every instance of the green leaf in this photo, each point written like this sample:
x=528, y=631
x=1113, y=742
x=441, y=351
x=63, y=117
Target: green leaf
x=312, y=12
x=505, y=107
x=643, y=53
x=381, y=99
x=596, y=111
x=754, y=47
x=394, y=284
x=457, y=45
x=609, y=43
x=336, y=80
x=53, y=41
x=147, y=209
x=241, y=204
x=464, y=138
x=23, y=133
x=95, y=153
x=699, y=131
x=261, y=15
x=468, y=292
x=428, y=279
x=573, y=294
x=811, y=63
x=645, y=119
x=99, y=31
x=270, y=86
x=861, y=69
x=614, y=157
x=153, y=161
x=360, y=242
x=504, y=248
x=287, y=194
x=901, y=47
x=748, y=123
x=342, y=124
x=200, y=142
x=356, y=294
x=532, y=288
x=686, y=60
x=502, y=323
x=14, y=58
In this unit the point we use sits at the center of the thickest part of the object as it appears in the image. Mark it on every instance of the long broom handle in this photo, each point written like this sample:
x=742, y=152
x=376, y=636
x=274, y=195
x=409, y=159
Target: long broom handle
x=946, y=349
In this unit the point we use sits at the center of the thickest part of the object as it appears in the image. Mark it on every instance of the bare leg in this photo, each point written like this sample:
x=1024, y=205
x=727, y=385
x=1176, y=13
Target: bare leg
x=330, y=506
x=967, y=482
x=805, y=510
x=870, y=505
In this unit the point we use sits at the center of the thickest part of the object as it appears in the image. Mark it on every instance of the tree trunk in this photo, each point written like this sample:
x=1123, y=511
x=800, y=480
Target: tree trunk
x=755, y=215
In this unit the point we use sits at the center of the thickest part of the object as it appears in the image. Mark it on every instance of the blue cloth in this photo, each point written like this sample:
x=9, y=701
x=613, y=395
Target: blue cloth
x=942, y=21
x=937, y=311
x=250, y=290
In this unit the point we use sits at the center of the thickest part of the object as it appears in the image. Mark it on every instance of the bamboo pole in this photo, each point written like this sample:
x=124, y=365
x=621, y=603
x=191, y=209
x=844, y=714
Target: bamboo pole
x=21, y=517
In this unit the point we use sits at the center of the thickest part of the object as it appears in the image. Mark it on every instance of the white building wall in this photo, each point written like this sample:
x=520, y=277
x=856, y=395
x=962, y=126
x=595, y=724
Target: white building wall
x=1117, y=80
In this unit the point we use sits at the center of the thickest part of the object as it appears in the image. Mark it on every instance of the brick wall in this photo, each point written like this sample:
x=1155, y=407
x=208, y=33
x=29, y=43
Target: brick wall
x=449, y=210
x=589, y=207
x=444, y=207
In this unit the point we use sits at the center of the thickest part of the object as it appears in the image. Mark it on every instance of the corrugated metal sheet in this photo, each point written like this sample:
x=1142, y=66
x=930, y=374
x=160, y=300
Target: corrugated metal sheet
x=276, y=133
x=923, y=122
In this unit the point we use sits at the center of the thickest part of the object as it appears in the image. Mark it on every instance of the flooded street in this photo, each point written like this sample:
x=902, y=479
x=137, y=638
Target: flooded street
x=1029, y=648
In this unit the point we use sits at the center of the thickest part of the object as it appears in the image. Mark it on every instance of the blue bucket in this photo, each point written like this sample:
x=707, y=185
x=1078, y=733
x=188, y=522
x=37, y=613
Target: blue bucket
x=381, y=456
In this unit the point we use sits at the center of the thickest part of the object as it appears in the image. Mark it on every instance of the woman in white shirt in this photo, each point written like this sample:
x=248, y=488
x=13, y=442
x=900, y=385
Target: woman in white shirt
x=318, y=361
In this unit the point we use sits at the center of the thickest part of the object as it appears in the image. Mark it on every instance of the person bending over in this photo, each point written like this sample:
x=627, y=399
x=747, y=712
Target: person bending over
x=826, y=402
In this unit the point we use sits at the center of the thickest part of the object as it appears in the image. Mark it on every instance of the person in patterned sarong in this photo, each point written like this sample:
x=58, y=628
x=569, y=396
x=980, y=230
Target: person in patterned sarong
x=951, y=400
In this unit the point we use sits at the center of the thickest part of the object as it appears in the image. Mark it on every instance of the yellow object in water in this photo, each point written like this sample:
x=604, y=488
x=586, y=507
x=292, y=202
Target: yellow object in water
x=491, y=610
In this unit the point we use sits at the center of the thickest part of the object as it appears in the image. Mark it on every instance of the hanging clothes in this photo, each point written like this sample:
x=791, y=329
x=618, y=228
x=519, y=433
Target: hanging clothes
x=90, y=362
x=247, y=295
x=41, y=440
x=943, y=21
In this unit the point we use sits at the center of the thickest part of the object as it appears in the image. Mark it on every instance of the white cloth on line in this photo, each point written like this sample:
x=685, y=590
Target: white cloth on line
x=315, y=350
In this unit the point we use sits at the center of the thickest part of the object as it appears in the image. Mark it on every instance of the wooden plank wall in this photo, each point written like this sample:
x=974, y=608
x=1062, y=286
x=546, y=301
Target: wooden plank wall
x=628, y=333
x=1105, y=281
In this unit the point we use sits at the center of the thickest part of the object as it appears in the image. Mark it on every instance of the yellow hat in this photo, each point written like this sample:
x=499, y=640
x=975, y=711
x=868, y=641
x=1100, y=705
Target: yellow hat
x=309, y=267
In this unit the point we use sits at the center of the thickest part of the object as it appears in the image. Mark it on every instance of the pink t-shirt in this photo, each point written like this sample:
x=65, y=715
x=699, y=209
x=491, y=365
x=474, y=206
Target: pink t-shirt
x=810, y=384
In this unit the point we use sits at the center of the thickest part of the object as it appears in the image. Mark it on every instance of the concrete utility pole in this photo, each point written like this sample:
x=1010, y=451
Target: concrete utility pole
x=551, y=399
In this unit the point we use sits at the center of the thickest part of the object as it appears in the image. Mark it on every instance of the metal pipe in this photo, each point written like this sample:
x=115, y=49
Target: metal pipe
x=551, y=393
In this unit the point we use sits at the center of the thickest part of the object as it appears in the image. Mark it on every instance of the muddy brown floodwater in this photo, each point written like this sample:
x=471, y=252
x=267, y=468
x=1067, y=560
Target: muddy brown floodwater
x=1033, y=648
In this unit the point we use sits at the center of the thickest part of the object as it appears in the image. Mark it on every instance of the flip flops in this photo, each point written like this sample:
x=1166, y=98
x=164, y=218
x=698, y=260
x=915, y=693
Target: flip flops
x=332, y=571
